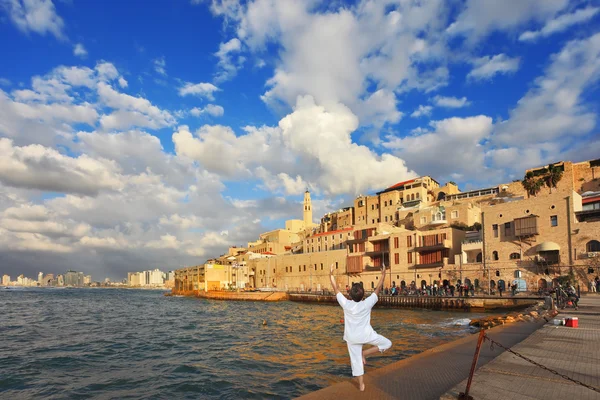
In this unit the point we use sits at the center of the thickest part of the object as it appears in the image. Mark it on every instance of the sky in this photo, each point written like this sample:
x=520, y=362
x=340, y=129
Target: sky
x=154, y=134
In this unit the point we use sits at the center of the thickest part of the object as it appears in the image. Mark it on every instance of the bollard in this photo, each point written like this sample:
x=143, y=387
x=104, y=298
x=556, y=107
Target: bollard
x=465, y=395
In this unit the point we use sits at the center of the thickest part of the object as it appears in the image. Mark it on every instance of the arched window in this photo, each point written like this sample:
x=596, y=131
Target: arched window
x=412, y=196
x=417, y=196
x=497, y=273
x=517, y=274
x=592, y=245
x=372, y=285
x=495, y=255
x=478, y=258
x=515, y=256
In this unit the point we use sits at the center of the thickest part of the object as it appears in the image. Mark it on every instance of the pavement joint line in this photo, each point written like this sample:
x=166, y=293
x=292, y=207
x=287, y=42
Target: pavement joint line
x=542, y=378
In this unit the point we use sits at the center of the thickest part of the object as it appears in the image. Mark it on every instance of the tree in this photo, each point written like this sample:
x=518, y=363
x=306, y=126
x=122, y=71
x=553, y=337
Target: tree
x=553, y=176
x=532, y=184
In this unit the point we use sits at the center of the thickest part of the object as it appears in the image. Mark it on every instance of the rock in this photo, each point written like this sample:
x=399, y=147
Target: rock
x=534, y=314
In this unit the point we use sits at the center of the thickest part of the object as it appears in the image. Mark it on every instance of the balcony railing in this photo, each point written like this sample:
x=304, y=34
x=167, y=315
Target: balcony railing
x=432, y=245
x=472, y=245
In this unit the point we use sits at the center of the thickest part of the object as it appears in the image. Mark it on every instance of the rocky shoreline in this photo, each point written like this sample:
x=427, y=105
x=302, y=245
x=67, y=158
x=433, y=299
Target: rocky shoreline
x=533, y=313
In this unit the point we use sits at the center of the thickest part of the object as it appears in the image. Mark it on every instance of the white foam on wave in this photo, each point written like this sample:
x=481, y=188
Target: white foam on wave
x=457, y=322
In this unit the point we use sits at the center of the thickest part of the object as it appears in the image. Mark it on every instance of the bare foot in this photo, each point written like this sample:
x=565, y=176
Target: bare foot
x=361, y=387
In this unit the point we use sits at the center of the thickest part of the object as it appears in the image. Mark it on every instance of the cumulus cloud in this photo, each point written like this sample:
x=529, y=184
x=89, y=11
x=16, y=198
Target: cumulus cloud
x=451, y=102
x=228, y=62
x=561, y=23
x=210, y=109
x=79, y=50
x=487, y=67
x=131, y=111
x=479, y=18
x=454, y=146
x=202, y=89
x=311, y=146
x=37, y=16
x=122, y=82
x=42, y=168
x=554, y=108
x=422, y=111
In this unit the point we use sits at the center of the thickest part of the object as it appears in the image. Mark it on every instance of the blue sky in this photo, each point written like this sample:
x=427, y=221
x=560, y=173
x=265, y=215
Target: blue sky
x=143, y=134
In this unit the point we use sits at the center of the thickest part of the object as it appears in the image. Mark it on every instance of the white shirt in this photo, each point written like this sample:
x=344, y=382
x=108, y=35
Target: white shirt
x=357, y=319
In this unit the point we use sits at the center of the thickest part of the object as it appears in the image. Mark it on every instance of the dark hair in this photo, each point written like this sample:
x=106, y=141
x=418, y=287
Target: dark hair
x=357, y=292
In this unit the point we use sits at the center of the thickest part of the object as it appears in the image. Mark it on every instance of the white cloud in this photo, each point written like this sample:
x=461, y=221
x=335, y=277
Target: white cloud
x=311, y=147
x=160, y=66
x=37, y=16
x=131, y=111
x=433, y=153
x=5, y=82
x=554, y=107
x=42, y=168
x=122, y=82
x=486, y=67
x=561, y=23
x=202, y=89
x=422, y=111
x=228, y=64
x=210, y=109
x=451, y=102
x=79, y=50
x=481, y=17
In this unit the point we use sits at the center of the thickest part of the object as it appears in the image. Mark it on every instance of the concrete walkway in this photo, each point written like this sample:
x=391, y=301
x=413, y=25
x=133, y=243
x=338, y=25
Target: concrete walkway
x=430, y=374
x=574, y=352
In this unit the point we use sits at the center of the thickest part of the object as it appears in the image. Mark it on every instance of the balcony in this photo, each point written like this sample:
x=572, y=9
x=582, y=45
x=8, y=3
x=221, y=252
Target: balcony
x=436, y=264
x=472, y=245
x=526, y=226
x=433, y=245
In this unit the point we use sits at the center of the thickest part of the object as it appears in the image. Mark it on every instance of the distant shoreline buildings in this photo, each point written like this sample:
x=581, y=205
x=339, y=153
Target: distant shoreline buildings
x=528, y=233
x=151, y=279
x=68, y=279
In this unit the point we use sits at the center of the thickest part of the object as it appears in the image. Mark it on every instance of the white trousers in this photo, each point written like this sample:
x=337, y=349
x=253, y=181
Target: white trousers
x=355, y=351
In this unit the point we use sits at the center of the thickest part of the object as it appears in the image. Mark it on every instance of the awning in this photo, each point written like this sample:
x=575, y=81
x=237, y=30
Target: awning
x=547, y=246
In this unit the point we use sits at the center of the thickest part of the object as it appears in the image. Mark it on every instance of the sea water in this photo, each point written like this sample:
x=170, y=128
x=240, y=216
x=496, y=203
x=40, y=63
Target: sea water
x=139, y=344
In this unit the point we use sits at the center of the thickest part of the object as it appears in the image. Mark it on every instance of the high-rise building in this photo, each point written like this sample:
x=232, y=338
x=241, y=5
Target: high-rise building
x=40, y=278
x=73, y=278
x=6, y=280
x=87, y=280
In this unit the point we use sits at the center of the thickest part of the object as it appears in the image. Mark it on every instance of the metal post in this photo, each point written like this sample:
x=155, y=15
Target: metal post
x=465, y=395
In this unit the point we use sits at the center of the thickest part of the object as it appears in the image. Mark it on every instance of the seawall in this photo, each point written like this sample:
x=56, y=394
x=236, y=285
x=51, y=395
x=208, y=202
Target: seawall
x=434, y=302
x=233, y=296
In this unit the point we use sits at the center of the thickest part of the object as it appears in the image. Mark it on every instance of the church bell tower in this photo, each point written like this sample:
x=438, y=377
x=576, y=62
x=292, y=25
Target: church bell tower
x=308, y=220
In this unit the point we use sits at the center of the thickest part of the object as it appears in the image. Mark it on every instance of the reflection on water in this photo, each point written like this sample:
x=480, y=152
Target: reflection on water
x=110, y=343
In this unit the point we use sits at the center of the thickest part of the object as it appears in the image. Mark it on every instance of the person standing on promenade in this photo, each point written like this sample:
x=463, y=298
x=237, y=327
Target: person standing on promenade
x=357, y=325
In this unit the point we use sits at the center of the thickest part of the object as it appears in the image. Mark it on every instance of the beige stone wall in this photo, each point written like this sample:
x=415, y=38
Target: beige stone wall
x=389, y=203
x=585, y=177
x=327, y=241
x=360, y=210
x=372, y=210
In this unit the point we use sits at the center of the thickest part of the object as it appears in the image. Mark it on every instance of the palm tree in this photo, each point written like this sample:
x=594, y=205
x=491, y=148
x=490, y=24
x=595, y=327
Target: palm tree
x=553, y=176
x=531, y=184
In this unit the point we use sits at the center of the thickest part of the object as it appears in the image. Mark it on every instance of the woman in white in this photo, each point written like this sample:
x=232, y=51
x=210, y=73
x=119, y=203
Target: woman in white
x=357, y=325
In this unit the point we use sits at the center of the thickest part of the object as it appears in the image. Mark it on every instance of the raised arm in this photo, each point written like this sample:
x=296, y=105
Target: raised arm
x=380, y=284
x=332, y=280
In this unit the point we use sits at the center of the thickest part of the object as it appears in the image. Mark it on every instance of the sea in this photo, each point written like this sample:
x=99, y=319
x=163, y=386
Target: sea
x=139, y=344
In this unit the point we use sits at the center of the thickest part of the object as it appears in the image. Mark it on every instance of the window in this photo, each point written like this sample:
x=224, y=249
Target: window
x=373, y=221
x=423, y=220
x=396, y=242
x=361, y=203
x=321, y=267
x=517, y=274
x=409, y=257
x=495, y=229
x=417, y=196
x=507, y=229
x=495, y=255
x=336, y=265
x=454, y=214
x=592, y=245
x=497, y=273
x=515, y=256
x=340, y=235
x=299, y=268
x=553, y=220
x=385, y=203
x=372, y=206
x=305, y=268
x=409, y=241
x=397, y=258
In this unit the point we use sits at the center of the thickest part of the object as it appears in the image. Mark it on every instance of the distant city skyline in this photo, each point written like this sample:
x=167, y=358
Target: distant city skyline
x=118, y=153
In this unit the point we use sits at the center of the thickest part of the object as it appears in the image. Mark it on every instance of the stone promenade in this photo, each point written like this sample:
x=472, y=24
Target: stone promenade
x=441, y=372
x=574, y=352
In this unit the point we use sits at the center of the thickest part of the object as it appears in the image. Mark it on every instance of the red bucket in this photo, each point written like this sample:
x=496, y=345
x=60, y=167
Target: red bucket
x=572, y=322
